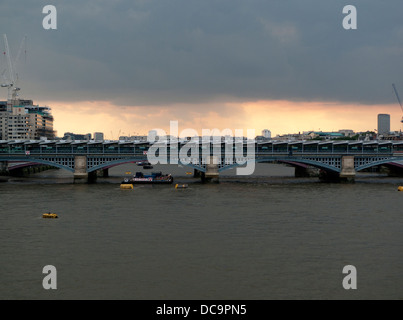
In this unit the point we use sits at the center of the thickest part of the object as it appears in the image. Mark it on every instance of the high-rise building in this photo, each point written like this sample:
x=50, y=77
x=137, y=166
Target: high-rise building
x=98, y=136
x=20, y=119
x=383, y=124
x=266, y=133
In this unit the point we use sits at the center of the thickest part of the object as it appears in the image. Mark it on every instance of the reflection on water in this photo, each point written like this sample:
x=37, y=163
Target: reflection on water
x=267, y=236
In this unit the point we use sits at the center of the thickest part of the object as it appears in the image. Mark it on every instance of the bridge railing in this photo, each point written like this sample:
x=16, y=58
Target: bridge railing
x=124, y=152
x=267, y=149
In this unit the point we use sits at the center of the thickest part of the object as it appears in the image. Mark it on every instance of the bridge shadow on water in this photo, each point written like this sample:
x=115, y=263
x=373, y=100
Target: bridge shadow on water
x=264, y=173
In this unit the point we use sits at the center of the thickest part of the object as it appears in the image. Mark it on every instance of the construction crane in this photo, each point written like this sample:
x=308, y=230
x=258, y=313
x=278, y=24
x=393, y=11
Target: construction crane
x=398, y=99
x=11, y=82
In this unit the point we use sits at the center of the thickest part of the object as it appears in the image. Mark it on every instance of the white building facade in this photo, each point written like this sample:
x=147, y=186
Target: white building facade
x=23, y=120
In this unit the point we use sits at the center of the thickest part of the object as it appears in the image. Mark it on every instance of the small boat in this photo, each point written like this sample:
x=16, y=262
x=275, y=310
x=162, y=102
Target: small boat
x=146, y=166
x=153, y=178
x=143, y=163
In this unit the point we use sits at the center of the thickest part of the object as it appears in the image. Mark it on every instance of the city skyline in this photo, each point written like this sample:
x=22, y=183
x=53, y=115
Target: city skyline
x=130, y=67
x=322, y=120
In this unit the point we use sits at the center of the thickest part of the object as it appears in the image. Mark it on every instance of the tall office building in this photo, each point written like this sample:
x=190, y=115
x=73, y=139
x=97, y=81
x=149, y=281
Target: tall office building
x=266, y=133
x=98, y=136
x=383, y=124
x=20, y=119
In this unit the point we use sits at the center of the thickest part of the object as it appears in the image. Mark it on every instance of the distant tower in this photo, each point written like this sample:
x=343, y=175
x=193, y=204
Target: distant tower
x=152, y=135
x=383, y=124
x=99, y=136
x=266, y=133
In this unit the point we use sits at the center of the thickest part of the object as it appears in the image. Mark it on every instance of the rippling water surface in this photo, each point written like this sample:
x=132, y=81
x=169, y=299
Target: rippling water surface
x=267, y=236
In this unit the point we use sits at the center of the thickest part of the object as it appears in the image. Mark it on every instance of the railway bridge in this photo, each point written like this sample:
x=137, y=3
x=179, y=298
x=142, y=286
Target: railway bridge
x=84, y=158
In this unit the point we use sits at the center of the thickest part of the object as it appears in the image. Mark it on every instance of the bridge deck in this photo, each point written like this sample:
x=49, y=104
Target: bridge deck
x=322, y=154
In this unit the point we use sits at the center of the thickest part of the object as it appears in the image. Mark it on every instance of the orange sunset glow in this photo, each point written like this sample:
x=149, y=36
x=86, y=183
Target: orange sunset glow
x=281, y=117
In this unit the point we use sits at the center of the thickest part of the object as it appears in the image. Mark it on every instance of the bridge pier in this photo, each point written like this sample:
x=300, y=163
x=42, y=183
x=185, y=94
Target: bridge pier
x=80, y=169
x=211, y=173
x=347, y=173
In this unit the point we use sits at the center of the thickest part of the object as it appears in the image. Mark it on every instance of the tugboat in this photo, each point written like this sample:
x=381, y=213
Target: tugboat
x=153, y=178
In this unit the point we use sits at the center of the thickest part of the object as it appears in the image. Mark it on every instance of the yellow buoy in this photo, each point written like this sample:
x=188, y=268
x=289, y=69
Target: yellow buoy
x=181, y=186
x=400, y=188
x=189, y=172
x=49, y=215
x=126, y=186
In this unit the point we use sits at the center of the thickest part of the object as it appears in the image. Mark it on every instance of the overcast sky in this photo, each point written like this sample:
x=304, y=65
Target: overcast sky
x=204, y=52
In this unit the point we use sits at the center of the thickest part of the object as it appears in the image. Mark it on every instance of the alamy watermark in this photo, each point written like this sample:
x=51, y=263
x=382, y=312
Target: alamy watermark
x=350, y=280
x=212, y=147
x=50, y=280
x=49, y=22
x=350, y=20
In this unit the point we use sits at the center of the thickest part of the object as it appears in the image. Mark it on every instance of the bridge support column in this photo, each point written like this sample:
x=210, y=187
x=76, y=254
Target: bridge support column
x=80, y=169
x=211, y=170
x=347, y=173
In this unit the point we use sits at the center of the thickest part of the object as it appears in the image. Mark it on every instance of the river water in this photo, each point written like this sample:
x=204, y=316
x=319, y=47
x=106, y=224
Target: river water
x=265, y=236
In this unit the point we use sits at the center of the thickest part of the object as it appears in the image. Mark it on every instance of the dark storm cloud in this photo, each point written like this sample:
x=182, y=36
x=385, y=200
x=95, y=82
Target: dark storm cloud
x=162, y=52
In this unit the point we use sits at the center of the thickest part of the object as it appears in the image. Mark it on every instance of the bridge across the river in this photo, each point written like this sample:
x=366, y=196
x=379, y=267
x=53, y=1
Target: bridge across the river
x=83, y=158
